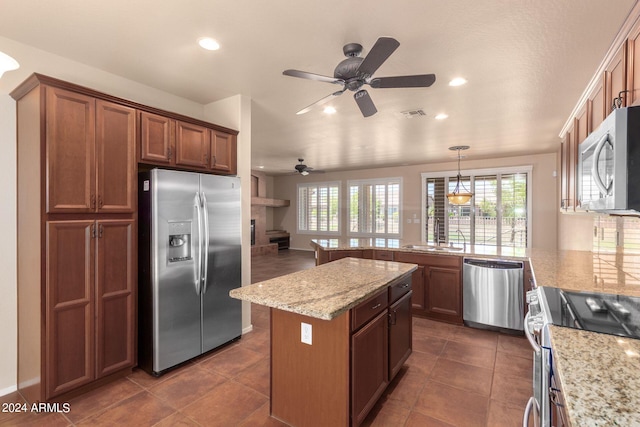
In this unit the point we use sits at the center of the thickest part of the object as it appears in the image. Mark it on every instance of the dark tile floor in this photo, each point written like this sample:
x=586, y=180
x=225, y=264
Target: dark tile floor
x=456, y=376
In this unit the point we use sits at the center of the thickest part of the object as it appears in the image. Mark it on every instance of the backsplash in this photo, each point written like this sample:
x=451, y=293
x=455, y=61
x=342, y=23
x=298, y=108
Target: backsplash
x=616, y=241
x=613, y=234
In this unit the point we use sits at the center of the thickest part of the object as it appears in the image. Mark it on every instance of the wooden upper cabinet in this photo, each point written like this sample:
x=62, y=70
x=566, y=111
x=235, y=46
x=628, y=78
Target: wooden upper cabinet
x=90, y=154
x=192, y=145
x=633, y=66
x=70, y=137
x=223, y=152
x=597, y=108
x=115, y=157
x=615, y=77
x=157, y=139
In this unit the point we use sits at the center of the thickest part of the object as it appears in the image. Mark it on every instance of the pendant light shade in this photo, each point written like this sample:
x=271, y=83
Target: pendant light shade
x=460, y=194
x=7, y=63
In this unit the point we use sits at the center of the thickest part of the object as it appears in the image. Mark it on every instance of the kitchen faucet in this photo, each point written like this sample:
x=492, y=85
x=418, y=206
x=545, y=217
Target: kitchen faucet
x=464, y=240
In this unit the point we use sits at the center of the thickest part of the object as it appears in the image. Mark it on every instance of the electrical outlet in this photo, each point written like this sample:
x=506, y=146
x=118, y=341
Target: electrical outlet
x=305, y=333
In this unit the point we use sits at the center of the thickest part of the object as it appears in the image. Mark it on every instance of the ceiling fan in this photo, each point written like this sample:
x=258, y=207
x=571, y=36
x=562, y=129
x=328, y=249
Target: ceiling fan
x=305, y=170
x=354, y=72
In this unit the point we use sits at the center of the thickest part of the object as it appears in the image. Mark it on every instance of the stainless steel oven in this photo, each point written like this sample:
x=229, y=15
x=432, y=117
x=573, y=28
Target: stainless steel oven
x=536, y=329
x=594, y=312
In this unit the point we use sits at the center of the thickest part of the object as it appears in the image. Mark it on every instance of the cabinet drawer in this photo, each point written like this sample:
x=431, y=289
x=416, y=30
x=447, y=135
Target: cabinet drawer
x=452, y=261
x=368, y=309
x=383, y=255
x=399, y=288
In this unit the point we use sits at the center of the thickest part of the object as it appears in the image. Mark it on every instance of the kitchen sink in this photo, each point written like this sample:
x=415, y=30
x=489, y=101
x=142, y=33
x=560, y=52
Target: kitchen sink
x=434, y=248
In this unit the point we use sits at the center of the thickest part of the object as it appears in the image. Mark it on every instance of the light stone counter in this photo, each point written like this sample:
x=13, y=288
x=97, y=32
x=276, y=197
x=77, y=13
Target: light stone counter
x=325, y=291
x=599, y=375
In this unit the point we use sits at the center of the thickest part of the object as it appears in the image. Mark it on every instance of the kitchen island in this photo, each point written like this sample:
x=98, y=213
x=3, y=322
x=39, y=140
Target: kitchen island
x=339, y=334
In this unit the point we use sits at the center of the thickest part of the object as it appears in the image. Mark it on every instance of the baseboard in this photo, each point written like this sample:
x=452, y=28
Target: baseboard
x=301, y=249
x=247, y=329
x=11, y=389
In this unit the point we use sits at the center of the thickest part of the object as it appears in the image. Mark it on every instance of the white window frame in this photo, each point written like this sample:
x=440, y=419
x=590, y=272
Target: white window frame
x=374, y=181
x=451, y=175
x=328, y=184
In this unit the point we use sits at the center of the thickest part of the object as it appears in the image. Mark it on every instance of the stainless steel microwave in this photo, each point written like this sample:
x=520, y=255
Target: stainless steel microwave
x=609, y=164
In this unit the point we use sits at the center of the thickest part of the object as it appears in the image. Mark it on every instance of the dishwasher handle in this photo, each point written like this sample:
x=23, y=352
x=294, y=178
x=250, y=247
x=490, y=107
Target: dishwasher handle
x=496, y=264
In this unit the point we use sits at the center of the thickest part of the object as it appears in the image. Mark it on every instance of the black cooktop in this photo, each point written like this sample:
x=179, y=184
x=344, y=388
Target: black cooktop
x=596, y=312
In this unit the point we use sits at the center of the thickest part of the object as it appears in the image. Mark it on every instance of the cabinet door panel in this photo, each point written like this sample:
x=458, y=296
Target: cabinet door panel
x=115, y=296
x=400, y=333
x=157, y=139
x=443, y=292
x=370, y=366
x=223, y=152
x=69, y=316
x=115, y=155
x=70, y=133
x=192, y=145
x=616, y=80
x=417, y=284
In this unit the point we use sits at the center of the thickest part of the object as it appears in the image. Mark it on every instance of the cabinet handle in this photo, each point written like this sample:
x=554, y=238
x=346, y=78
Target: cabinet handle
x=93, y=231
x=169, y=153
x=404, y=285
x=376, y=306
x=93, y=201
x=100, y=204
x=100, y=231
x=213, y=159
x=393, y=319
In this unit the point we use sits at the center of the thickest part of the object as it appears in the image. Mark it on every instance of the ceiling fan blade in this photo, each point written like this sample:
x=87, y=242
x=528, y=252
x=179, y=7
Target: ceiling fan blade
x=379, y=53
x=321, y=101
x=365, y=103
x=421, y=80
x=311, y=76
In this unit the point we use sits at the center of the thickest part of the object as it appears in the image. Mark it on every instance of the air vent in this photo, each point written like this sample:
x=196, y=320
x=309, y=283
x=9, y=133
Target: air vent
x=413, y=113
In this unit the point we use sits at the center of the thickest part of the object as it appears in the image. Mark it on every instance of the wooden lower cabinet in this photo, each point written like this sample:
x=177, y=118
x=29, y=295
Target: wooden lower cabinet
x=370, y=366
x=443, y=293
x=89, y=316
x=437, y=285
x=400, y=333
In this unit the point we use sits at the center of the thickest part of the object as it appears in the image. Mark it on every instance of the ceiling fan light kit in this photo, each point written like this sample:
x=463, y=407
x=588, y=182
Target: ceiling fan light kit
x=303, y=169
x=459, y=197
x=354, y=72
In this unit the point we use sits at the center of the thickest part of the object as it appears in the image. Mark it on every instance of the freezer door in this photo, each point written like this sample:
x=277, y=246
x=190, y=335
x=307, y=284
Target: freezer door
x=176, y=245
x=221, y=314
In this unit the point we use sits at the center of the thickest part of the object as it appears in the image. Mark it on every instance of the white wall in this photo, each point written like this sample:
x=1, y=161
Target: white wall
x=544, y=186
x=8, y=290
x=33, y=60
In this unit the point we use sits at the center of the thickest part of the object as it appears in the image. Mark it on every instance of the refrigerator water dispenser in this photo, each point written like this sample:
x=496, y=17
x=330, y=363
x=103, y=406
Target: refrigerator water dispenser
x=179, y=244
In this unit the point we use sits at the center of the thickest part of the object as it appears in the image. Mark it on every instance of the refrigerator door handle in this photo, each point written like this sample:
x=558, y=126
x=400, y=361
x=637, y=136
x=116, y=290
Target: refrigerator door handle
x=198, y=263
x=205, y=236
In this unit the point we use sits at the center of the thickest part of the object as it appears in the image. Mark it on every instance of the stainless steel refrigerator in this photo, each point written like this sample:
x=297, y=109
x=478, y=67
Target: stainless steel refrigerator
x=189, y=259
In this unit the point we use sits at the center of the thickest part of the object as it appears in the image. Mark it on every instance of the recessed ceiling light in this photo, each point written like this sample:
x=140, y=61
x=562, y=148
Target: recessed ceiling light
x=329, y=110
x=260, y=167
x=208, y=43
x=441, y=116
x=458, y=81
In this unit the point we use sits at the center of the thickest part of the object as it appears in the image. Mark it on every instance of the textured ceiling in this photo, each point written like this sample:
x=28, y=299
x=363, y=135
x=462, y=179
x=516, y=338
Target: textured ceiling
x=526, y=62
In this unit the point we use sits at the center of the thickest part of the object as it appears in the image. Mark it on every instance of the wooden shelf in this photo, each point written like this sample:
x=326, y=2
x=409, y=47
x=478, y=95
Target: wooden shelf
x=272, y=203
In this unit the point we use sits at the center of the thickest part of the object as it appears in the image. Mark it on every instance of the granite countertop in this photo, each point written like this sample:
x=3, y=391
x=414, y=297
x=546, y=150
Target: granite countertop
x=325, y=291
x=599, y=376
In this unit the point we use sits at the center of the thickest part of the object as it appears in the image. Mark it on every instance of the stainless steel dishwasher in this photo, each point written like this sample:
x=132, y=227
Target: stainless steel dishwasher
x=492, y=294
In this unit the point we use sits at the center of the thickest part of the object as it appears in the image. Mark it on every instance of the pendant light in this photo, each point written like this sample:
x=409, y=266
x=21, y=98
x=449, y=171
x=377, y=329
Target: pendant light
x=7, y=63
x=460, y=194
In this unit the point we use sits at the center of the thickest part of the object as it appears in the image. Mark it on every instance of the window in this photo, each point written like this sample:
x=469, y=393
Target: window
x=497, y=215
x=319, y=208
x=374, y=207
